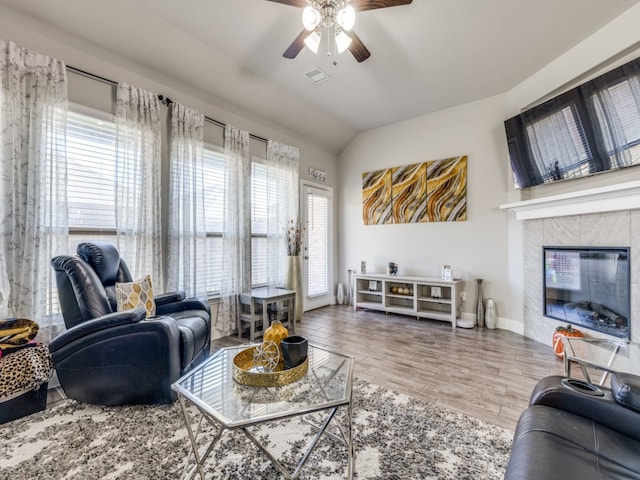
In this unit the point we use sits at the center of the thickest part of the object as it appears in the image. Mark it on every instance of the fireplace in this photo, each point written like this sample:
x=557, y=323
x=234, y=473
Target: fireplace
x=588, y=287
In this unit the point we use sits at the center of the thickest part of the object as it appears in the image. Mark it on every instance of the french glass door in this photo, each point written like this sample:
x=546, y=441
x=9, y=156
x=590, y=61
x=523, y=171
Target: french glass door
x=317, y=208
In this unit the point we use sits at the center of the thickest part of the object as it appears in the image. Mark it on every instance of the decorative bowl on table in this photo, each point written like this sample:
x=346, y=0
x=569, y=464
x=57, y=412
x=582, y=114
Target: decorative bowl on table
x=246, y=372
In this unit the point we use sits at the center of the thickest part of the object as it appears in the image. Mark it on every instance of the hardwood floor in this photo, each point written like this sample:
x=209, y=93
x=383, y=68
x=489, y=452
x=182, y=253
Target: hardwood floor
x=487, y=374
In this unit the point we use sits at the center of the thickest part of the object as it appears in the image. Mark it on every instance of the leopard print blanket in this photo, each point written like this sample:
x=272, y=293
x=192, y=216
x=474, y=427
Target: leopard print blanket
x=26, y=369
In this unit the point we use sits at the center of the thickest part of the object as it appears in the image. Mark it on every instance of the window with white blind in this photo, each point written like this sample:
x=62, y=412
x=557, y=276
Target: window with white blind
x=318, y=240
x=215, y=181
x=91, y=140
x=261, y=192
x=91, y=163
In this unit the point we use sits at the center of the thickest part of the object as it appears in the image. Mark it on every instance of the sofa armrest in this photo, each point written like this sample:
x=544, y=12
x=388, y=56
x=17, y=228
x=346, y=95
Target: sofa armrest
x=553, y=391
x=110, y=320
x=168, y=297
x=191, y=303
x=124, y=364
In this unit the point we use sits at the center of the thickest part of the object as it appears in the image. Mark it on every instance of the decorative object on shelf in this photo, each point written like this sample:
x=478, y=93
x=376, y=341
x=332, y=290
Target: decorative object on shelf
x=559, y=334
x=432, y=191
x=490, y=315
x=294, y=350
x=392, y=268
x=318, y=175
x=446, y=273
x=350, y=289
x=373, y=285
x=480, y=302
x=340, y=294
x=245, y=373
x=266, y=357
x=436, y=292
x=275, y=333
x=363, y=267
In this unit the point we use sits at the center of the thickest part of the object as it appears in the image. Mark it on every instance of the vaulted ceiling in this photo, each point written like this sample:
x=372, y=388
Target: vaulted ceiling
x=426, y=56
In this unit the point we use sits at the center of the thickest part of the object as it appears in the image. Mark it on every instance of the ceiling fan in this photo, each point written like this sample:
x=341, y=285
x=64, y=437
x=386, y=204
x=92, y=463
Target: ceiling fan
x=329, y=23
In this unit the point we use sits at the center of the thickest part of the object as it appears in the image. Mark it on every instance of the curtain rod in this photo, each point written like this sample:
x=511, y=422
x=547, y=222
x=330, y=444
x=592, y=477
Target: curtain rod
x=165, y=100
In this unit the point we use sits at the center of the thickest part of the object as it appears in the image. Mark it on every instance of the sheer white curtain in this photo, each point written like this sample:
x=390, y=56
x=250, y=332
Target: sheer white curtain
x=186, y=268
x=283, y=177
x=33, y=166
x=236, y=237
x=138, y=204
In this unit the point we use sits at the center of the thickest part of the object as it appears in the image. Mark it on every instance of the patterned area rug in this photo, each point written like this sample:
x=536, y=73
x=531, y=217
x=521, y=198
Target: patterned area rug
x=396, y=437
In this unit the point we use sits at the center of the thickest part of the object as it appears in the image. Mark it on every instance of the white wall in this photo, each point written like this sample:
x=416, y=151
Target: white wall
x=476, y=247
x=490, y=244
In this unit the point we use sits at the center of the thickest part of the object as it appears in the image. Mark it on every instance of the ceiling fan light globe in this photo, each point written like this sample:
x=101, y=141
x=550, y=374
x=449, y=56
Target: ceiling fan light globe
x=343, y=41
x=310, y=18
x=313, y=41
x=346, y=18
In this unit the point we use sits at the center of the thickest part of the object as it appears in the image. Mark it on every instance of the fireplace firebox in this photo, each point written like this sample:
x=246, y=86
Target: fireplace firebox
x=588, y=287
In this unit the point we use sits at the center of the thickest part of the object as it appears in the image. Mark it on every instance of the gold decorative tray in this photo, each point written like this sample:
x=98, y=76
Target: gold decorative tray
x=244, y=371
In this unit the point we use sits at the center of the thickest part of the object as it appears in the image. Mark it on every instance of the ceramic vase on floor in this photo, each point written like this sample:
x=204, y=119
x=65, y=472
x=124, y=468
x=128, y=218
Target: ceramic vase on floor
x=350, y=289
x=480, y=302
x=340, y=294
x=294, y=282
x=490, y=315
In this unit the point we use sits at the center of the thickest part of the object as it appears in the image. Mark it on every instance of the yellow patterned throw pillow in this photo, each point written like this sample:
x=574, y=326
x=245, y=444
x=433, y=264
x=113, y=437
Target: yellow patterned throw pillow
x=136, y=294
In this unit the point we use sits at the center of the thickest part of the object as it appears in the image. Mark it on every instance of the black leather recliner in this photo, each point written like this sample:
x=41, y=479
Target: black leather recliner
x=574, y=430
x=107, y=357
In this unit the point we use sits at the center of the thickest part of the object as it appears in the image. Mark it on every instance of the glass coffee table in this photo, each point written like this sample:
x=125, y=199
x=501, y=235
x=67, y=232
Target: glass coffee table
x=228, y=405
x=601, y=354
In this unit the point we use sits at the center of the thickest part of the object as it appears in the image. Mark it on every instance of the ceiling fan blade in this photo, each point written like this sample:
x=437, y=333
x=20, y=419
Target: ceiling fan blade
x=296, y=45
x=293, y=3
x=357, y=48
x=363, y=5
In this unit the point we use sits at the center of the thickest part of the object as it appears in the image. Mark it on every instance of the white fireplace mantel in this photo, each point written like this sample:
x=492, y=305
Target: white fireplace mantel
x=623, y=196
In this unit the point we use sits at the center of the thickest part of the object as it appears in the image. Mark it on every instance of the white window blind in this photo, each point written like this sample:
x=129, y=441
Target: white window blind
x=260, y=189
x=91, y=163
x=318, y=242
x=215, y=192
x=91, y=137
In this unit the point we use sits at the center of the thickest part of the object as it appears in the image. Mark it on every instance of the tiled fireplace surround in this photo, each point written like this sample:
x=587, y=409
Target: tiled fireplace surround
x=614, y=228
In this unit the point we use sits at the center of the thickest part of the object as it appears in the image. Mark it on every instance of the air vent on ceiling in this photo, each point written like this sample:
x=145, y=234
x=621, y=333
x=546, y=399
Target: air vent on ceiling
x=316, y=75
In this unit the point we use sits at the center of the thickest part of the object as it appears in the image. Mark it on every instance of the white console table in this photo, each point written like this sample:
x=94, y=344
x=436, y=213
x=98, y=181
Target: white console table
x=425, y=297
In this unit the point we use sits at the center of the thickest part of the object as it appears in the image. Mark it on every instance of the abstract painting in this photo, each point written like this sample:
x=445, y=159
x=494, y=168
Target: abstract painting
x=376, y=197
x=447, y=190
x=432, y=191
x=408, y=193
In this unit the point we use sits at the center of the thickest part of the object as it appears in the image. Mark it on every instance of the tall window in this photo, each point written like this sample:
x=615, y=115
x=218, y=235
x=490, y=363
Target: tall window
x=261, y=195
x=318, y=241
x=91, y=137
x=215, y=182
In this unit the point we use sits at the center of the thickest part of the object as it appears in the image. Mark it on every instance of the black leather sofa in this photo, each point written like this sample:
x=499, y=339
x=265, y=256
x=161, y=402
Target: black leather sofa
x=574, y=430
x=108, y=357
